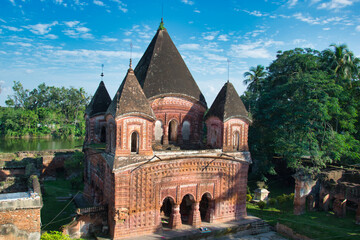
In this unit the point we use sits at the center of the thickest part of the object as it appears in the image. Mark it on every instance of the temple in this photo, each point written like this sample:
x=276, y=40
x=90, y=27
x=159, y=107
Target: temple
x=156, y=158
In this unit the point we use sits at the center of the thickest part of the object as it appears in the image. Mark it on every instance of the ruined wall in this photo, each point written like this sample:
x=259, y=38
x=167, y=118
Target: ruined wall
x=139, y=194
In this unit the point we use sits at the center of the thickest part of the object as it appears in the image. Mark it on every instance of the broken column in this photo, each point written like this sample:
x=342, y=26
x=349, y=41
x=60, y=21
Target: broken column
x=303, y=187
x=339, y=207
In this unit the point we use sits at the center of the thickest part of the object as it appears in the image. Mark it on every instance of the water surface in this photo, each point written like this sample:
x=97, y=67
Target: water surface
x=9, y=145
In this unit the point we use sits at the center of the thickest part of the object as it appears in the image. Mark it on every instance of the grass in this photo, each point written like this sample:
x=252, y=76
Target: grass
x=315, y=225
x=52, y=206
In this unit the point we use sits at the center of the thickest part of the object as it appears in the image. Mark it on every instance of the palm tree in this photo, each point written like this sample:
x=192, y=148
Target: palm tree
x=345, y=65
x=253, y=78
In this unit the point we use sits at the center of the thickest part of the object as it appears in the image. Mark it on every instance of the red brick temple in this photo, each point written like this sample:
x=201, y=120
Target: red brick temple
x=156, y=157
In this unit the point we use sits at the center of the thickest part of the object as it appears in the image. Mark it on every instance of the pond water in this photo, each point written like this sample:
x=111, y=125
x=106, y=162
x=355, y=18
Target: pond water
x=8, y=145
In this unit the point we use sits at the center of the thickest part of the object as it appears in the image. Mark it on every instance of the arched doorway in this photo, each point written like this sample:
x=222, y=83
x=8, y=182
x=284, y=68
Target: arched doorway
x=186, y=209
x=236, y=141
x=205, y=207
x=185, y=131
x=166, y=211
x=172, y=131
x=158, y=131
x=103, y=134
x=135, y=142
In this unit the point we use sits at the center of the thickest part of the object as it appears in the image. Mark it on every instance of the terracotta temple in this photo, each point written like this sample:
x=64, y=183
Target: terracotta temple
x=156, y=157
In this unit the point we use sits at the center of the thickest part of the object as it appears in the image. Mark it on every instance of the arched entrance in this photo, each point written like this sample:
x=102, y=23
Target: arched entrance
x=103, y=134
x=185, y=131
x=186, y=208
x=135, y=142
x=166, y=211
x=158, y=132
x=206, y=208
x=236, y=141
x=172, y=131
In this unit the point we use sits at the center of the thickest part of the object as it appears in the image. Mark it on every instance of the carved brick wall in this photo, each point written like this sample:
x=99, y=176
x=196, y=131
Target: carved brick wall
x=230, y=127
x=180, y=110
x=139, y=194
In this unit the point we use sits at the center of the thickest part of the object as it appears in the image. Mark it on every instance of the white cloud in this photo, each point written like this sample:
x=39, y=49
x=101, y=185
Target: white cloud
x=2, y=20
x=308, y=19
x=357, y=28
x=41, y=29
x=95, y=53
x=107, y=39
x=326, y=29
x=253, y=50
x=302, y=43
x=210, y=35
x=51, y=36
x=12, y=2
x=336, y=4
x=223, y=38
x=292, y=3
x=197, y=11
x=189, y=46
x=214, y=57
x=82, y=29
x=122, y=6
x=99, y=3
x=22, y=44
x=14, y=29
x=188, y=2
x=254, y=13
x=71, y=23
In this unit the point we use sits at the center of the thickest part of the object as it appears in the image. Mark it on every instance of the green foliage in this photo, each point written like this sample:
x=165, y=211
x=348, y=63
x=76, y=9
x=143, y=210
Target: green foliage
x=75, y=163
x=272, y=201
x=281, y=199
x=248, y=197
x=54, y=235
x=44, y=110
x=305, y=111
x=261, y=204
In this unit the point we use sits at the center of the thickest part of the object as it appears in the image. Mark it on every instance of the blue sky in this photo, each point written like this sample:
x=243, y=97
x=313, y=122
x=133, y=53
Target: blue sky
x=64, y=42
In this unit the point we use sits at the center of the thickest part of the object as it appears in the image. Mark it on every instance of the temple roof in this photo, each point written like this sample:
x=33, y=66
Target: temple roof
x=228, y=105
x=162, y=71
x=99, y=102
x=130, y=98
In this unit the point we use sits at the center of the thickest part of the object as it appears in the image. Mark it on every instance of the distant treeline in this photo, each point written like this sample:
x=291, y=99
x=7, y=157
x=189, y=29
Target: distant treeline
x=44, y=111
x=305, y=108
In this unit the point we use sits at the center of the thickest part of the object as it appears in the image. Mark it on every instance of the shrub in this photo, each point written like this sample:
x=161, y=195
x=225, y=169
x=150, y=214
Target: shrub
x=272, y=201
x=281, y=199
x=54, y=235
x=248, y=197
x=261, y=205
x=75, y=163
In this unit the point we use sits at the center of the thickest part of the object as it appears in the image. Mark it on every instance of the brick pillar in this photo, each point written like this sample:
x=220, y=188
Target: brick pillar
x=195, y=217
x=339, y=207
x=303, y=187
x=210, y=214
x=357, y=217
x=175, y=217
x=311, y=203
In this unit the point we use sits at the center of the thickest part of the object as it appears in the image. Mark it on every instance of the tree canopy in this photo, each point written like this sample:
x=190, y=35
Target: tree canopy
x=305, y=110
x=44, y=110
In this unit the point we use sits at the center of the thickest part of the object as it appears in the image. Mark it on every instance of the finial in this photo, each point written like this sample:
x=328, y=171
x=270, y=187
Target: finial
x=131, y=47
x=102, y=71
x=161, y=27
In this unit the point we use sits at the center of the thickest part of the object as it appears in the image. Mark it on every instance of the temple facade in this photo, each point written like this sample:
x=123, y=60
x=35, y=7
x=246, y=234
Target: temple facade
x=157, y=157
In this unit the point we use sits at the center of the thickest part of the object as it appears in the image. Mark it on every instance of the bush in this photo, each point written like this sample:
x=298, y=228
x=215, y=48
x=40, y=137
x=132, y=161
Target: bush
x=272, y=201
x=281, y=199
x=248, y=197
x=54, y=235
x=75, y=163
x=261, y=205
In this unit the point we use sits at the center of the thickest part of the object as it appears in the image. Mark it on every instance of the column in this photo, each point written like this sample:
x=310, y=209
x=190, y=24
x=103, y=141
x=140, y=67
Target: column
x=175, y=218
x=195, y=217
x=339, y=207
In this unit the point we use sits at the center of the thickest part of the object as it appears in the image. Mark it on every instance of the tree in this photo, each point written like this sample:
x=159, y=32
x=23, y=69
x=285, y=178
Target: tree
x=253, y=78
x=296, y=114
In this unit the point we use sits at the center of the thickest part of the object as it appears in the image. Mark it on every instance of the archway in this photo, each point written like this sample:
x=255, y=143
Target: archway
x=166, y=211
x=186, y=208
x=185, y=131
x=158, y=132
x=236, y=141
x=135, y=142
x=205, y=207
x=103, y=134
x=172, y=131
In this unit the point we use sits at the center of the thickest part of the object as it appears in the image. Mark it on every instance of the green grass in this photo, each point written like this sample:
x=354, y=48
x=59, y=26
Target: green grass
x=315, y=225
x=52, y=206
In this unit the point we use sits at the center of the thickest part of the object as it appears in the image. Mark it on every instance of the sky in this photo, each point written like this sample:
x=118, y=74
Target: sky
x=65, y=42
